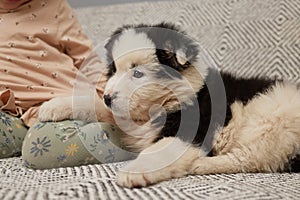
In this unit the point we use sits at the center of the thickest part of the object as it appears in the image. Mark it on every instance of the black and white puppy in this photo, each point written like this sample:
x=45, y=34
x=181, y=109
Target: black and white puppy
x=186, y=117
x=183, y=116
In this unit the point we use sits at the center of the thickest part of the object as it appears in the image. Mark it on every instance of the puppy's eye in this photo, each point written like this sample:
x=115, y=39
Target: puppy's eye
x=187, y=63
x=138, y=74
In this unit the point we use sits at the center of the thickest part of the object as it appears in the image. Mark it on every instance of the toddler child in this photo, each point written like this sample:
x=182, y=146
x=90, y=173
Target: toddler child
x=42, y=49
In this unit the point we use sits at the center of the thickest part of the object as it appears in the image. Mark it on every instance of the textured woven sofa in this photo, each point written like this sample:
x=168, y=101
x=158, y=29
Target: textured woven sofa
x=245, y=37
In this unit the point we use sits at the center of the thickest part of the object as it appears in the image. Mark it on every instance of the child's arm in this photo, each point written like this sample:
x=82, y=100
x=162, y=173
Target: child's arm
x=85, y=104
x=85, y=108
x=77, y=45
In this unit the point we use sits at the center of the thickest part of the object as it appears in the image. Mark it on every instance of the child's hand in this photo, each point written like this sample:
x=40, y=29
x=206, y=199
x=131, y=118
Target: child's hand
x=64, y=108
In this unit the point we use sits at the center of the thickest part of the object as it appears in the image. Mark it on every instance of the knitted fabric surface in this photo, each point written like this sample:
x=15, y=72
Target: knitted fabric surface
x=244, y=37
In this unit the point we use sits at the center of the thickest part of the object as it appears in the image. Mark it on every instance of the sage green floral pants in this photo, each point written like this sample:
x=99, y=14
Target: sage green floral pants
x=60, y=144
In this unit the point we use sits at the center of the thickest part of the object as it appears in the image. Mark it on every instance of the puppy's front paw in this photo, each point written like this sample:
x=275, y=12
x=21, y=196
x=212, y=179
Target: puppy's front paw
x=138, y=174
x=132, y=179
x=159, y=162
x=56, y=109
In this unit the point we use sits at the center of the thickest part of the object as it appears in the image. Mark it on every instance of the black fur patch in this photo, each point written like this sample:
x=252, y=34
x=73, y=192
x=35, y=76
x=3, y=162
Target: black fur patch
x=295, y=164
x=111, y=69
x=237, y=89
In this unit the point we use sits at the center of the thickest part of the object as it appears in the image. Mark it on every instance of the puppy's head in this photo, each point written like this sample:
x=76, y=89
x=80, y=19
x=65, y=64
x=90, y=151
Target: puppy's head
x=151, y=67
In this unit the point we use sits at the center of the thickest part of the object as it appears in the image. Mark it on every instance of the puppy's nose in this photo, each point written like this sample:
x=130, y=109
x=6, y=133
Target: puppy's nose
x=107, y=100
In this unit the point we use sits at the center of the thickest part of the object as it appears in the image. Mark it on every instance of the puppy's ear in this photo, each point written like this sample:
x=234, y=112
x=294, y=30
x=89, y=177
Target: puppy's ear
x=110, y=44
x=108, y=55
x=174, y=47
x=175, y=52
x=173, y=56
x=181, y=57
x=109, y=58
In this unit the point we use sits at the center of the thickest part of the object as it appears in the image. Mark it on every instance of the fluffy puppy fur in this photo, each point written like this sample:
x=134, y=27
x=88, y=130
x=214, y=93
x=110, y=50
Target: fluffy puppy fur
x=182, y=122
x=183, y=116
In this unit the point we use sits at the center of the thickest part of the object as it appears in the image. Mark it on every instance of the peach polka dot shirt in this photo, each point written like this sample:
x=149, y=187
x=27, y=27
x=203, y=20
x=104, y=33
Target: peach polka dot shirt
x=42, y=48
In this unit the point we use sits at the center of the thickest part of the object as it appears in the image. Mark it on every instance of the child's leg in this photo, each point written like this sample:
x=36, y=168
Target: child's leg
x=72, y=143
x=12, y=133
